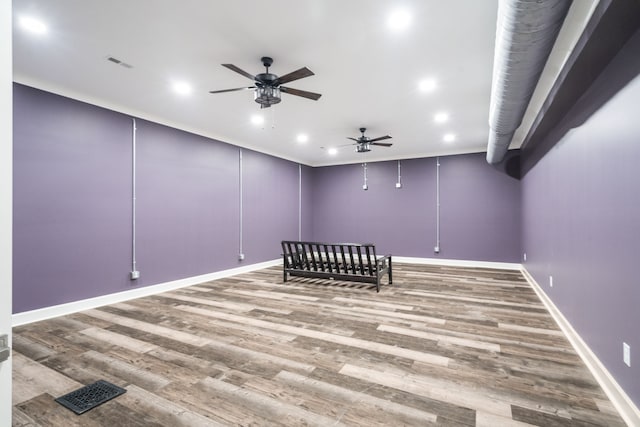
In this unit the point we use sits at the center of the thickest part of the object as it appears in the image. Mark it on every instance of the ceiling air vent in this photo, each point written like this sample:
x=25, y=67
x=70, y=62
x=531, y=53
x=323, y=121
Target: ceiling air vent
x=119, y=62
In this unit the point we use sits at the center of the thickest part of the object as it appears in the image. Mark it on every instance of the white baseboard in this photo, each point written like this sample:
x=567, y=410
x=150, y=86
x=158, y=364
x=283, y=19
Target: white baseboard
x=622, y=402
x=458, y=263
x=76, y=306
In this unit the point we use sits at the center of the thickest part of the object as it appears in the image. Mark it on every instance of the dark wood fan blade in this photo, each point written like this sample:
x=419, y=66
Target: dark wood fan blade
x=380, y=138
x=302, y=93
x=239, y=71
x=353, y=139
x=232, y=90
x=294, y=75
x=381, y=144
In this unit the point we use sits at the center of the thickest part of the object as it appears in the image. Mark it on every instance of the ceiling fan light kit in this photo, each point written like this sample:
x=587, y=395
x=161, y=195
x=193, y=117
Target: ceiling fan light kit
x=267, y=96
x=363, y=147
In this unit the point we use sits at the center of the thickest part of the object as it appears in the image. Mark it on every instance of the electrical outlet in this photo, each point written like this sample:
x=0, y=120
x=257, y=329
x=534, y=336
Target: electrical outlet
x=398, y=185
x=626, y=354
x=436, y=249
x=240, y=257
x=135, y=275
x=525, y=256
x=551, y=281
x=365, y=187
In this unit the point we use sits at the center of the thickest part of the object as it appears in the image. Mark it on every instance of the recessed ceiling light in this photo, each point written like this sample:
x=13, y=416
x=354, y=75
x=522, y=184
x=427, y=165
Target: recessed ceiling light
x=302, y=138
x=449, y=137
x=441, y=117
x=33, y=25
x=332, y=151
x=181, y=88
x=257, y=119
x=399, y=20
x=427, y=85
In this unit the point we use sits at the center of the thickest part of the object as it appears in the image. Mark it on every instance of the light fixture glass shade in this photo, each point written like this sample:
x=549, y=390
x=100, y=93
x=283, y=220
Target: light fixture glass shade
x=363, y=148
x=266, y=95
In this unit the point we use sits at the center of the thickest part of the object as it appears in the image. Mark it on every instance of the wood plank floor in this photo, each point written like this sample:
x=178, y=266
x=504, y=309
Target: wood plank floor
x=441, y=346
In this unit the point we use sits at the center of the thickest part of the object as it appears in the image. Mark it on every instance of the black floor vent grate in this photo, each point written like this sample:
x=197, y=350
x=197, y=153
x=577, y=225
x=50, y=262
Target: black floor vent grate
x=90, y=396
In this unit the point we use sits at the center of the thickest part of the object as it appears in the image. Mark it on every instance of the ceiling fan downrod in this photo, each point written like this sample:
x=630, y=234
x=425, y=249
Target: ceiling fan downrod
x=267, y=62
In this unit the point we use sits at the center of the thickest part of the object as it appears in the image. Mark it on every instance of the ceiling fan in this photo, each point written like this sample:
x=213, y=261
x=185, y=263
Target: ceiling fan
x=363, y=143
x=267, y=85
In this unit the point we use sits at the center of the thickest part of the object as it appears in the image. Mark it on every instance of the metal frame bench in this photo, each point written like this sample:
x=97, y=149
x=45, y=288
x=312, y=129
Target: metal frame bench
x=339, y=261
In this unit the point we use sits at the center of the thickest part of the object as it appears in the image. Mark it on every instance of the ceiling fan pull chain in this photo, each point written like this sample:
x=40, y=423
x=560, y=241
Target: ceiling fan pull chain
x=273, y=118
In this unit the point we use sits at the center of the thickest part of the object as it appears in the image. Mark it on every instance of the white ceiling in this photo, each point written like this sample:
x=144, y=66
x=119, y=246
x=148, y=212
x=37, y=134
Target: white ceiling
x=368, y=75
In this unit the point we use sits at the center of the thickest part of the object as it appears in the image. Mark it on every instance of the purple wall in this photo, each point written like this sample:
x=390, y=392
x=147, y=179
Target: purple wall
x=479, y=211
x=307, y=203
x=479, y=208
x=72, y=177
x=398, y=221
x=187, y=204
x=270, y=205
x=581, y=221
x=72, y=202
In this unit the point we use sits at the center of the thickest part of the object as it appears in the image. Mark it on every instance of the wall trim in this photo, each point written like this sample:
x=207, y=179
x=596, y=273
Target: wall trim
x=622, y=402
x=87, y=304
x=458, y=263
x=76, y=306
